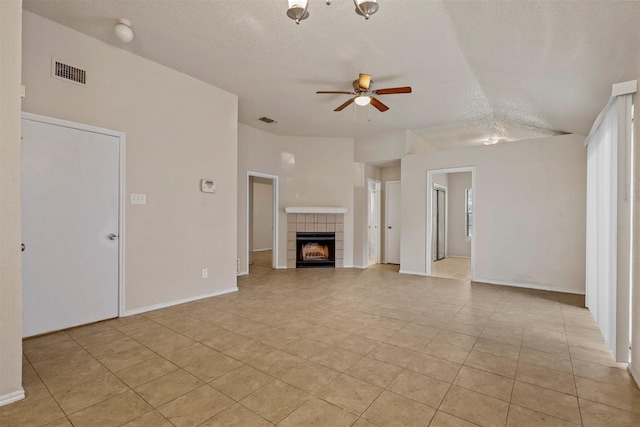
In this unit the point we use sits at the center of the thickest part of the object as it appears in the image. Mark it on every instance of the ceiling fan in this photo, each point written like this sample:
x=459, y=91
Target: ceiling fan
x=364, y=94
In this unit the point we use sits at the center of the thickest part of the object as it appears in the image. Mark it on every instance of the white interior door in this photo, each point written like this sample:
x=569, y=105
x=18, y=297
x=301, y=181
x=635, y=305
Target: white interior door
x=70, y=220
x=392, y=222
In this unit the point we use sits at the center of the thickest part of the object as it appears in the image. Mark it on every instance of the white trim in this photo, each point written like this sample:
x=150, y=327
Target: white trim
x=262, y=250
x=177, y=302
x=347, y=266
x=529, y=286
x=121, y=189
x=242, y=273
x=281, y=267
x=358, y=266
x=275, y=226
x=617, y=89
x=624, y=88
x=12, y=397
x=316, y=210
x=428, y=215
x=415, y=273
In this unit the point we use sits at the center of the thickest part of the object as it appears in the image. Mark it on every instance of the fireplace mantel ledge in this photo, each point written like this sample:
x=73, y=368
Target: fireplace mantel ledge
x=315, y=210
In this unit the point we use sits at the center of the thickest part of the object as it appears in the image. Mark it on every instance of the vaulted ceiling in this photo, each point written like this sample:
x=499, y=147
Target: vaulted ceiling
x=512, y=69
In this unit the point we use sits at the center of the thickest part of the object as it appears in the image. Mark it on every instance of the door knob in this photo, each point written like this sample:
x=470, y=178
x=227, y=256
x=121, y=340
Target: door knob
x=22, y=246
x=112, y=236
x=389, y=227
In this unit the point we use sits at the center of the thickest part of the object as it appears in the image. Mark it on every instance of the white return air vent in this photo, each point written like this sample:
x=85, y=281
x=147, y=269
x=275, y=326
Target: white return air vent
x=69, y=73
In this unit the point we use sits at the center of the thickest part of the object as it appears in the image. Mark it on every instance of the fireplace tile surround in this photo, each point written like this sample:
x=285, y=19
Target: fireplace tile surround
x=315, y=222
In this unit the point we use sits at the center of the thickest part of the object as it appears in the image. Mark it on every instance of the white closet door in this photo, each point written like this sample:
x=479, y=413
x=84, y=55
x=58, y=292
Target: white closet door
x=70, y=212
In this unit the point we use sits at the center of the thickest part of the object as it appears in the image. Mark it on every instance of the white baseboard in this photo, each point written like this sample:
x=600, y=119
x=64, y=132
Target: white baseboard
x=458, y=256
x=176, y=302
x=529, y=286
x=360, y=266
x=415, y=273
x=12, y=397
x=281, y=267
x=242, y=273
x=347, y=266
x=262, y=250
x=634, y=374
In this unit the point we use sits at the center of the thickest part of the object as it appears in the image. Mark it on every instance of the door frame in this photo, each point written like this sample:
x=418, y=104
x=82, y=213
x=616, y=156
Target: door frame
x=121, y=188
x=379, y=220
x=386, y=218
x=429, y=201
x=275, y=197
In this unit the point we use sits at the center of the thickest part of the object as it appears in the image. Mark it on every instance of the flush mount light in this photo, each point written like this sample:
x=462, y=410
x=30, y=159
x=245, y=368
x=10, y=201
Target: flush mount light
x=362, y=100
x=491, y=141
x=298, y=8
x=123, y=30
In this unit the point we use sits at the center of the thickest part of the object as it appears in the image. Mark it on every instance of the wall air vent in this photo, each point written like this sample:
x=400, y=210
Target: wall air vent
x=68, y=73
x=267, y=120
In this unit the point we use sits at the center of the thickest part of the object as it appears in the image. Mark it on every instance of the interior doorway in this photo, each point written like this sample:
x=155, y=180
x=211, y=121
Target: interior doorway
x=373, y=222
x=262, y=222
x=439, y=222
x=450, y=251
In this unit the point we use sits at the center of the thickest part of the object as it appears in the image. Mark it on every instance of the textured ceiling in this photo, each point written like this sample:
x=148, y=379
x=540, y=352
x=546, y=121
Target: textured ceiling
x=513, y=69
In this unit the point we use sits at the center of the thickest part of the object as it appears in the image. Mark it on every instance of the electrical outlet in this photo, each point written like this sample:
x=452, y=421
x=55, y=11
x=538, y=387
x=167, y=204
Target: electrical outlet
x=138, y=199
x=205, y=273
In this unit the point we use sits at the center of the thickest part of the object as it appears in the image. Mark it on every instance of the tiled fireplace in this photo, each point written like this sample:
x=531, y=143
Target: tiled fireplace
x=324, y=222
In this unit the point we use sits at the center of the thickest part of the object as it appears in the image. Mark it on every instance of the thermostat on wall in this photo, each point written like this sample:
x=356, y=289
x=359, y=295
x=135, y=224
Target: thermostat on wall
x=208, y=186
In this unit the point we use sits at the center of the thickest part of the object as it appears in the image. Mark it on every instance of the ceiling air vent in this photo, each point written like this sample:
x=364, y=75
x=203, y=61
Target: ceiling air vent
x=67, y=72
x=267, y=120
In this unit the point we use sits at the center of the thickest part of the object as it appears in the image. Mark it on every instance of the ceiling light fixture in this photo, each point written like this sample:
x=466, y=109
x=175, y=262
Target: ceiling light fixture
x=363, y=100
x=491, y=141
x=123, y=30
x=298, y=8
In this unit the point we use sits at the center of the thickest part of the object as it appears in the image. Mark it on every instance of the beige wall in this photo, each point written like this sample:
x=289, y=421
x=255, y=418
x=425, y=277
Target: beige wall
x=10, y=259
x=178, y=131
x=530, y=211
x=311, y=171
x=457, y=243
x=383, y=147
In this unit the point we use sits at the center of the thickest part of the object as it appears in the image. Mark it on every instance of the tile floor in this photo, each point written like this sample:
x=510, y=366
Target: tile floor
x=452, y=268
x=341, y=347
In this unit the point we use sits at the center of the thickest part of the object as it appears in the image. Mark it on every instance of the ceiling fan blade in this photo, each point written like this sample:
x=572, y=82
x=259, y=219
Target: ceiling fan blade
x=331, y=91
x=379, y=105
x=345, y=105
x=364, y=81
x=391, y=90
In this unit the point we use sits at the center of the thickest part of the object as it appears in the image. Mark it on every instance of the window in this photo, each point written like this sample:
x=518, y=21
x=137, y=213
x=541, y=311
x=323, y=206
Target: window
x=468, y=212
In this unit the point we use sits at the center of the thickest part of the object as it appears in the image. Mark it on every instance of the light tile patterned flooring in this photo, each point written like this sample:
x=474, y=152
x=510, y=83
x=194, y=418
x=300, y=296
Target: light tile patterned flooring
x=452, y=268
x=334, y=348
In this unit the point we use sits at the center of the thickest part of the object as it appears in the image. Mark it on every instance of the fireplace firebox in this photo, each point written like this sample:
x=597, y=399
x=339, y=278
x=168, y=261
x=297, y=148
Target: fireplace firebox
x=315, y=250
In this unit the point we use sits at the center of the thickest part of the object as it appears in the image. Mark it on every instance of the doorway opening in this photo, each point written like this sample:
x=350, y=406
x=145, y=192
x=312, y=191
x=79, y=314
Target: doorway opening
x=439, y=223
x=450, y=239
x=262, y=222
x=373, y=222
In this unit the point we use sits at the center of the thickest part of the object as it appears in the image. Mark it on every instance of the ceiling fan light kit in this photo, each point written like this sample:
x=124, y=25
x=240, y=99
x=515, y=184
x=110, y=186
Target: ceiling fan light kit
x=298, y=8
x=363, y=94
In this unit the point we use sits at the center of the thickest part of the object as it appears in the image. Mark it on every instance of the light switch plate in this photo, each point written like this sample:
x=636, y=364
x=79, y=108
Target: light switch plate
x=138, y=199
x=208, y=186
